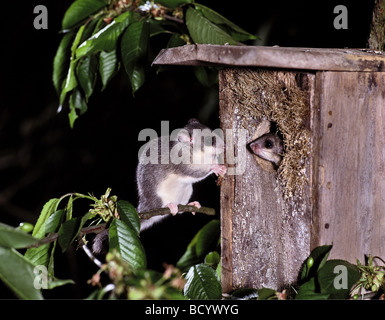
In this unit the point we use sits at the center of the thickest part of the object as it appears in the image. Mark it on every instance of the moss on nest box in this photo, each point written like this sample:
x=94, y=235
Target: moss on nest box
x=276, y=97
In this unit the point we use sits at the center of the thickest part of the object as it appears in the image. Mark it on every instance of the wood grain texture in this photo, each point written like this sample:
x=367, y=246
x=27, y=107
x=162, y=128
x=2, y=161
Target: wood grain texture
x=273, y=57
x=350, y=195
x=265, y=239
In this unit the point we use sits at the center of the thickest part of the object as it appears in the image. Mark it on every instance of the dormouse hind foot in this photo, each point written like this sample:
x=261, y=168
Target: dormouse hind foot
x=195, y=204
x=173, y=208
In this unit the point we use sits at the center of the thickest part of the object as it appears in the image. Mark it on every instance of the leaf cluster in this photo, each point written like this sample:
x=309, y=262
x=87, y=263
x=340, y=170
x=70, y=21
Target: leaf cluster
x=102, y=36
x=60, y=226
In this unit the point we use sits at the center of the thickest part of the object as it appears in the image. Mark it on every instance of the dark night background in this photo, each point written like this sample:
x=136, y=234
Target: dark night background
x=42, y=158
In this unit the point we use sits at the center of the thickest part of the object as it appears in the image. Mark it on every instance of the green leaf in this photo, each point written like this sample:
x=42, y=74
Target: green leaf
x=203, y=242
x=202, y=283
x=175, y=41
x=106, y=39
x=54, y=220
x=72, y=116
x=134, y=48
x=14, y=238
x=62, y=60
x=173, y=3
x=266, y=294
x=86, y=74
x=129, y=215
x=108, y=66
x=308, y=291
x=213, y=259
x=39, y=256
x=125, y=240
x=49, y=208
x=68, y=233
x=70, y=229
x=80, y=10
x=77, y=102
x=336, y=278
x=319, y=255
x=203, y=30
x=17, y=273
x=235, y=31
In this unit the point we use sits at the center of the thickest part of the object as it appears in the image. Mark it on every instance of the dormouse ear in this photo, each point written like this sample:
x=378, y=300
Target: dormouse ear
x=192, y=121
x=184, y=136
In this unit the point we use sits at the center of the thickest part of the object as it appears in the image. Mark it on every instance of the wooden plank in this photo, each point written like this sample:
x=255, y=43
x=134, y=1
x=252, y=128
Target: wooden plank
x=265, y=238
x=273, y=57
x=226, y=114
x=351, y=168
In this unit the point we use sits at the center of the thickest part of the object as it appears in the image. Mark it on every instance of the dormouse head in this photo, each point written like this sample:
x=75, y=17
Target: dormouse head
x=268, y=147
x=204, y=142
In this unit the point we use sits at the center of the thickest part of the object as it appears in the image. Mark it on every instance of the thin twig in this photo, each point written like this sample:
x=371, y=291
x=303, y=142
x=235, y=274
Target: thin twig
x=53, y=236
x=181, y=208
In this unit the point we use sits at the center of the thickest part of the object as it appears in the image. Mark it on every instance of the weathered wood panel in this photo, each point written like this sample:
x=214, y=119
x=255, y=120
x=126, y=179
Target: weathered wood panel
x=273, y=57
x=349, y=205
x=265, y=238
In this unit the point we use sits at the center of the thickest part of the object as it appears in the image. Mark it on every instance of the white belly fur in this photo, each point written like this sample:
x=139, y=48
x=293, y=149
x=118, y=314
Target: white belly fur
x=176, y=189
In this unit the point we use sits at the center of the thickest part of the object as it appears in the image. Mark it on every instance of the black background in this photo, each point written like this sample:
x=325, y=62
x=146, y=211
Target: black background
x=42, y=158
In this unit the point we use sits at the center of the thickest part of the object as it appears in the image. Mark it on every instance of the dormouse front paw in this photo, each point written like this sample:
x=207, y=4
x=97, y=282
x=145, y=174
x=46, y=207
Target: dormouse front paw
x=219, y=169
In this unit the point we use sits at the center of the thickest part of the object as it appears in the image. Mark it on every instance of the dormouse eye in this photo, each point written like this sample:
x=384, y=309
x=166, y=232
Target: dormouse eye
x=269, y=144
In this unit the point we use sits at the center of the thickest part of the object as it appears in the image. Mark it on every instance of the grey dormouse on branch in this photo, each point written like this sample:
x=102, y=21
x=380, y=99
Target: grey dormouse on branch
x=191, y=155
x=169, y=166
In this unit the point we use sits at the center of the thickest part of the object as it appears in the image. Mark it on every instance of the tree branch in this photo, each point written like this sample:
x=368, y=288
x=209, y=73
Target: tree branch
x=53, y=236
x=181, y=208
x=143, y=215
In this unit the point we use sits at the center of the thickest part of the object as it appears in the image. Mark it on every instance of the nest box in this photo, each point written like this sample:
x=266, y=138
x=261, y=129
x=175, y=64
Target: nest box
x=329, y=107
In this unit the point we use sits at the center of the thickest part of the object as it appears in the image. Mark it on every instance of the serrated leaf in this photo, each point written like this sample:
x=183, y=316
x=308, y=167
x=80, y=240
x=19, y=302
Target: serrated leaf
x=17, y=273
x=202, y=30
x=336, y=274
x=235, y=31
x=39, y=256
x=134, y=47
x=53, y=222
x=49, y=208
x=14, y=238
x=129, y=215
x=106, y=39
x=125, y=240
x=86, y=74
x=70, y=229
x=80, y=10
x=108, y=66
x=62, y=60
x=67, y=233
x=78, y=102
x=203, y=242
x=202, y=283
